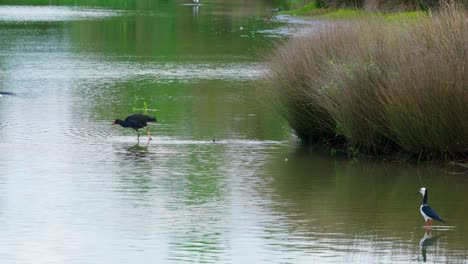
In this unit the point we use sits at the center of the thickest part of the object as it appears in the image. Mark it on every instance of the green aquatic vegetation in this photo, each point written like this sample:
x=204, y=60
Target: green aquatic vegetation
x=143, y=108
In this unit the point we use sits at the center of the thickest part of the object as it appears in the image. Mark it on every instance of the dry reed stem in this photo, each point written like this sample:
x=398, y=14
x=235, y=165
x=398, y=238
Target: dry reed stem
x=375, y=84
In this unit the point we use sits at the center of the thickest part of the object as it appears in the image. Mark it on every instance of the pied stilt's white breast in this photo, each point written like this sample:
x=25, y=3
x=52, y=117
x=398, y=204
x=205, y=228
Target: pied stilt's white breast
x=426, y=211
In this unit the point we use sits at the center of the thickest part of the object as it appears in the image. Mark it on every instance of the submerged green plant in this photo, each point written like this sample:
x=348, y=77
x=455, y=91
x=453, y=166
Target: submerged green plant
x=144, y=108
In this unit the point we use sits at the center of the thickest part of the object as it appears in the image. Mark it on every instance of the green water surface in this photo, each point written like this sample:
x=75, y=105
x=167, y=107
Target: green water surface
x=222, y=181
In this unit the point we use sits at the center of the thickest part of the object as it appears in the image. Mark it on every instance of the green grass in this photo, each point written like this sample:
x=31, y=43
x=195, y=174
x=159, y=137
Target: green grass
x=338, y=14
x=308, y=9
x=343, y=14
x=412, y=16
x=313, y=10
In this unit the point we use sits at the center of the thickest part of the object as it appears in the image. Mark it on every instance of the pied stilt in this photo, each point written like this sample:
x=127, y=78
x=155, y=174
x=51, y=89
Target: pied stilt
x=427, y=212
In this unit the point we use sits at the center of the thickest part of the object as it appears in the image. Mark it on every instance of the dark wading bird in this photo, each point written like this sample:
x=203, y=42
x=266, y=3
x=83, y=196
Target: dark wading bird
x=427, y=212
x=136, y=122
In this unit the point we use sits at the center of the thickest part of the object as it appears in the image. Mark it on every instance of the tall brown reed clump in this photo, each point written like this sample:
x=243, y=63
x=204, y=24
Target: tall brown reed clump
x=380, y=87
x=390, y=5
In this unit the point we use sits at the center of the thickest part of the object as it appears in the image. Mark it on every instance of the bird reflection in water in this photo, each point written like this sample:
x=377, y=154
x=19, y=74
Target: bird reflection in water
x=137, y=150
x=427, y=241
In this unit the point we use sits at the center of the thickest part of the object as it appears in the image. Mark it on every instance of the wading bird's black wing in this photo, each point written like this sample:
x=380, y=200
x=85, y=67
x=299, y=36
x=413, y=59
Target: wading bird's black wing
x=136, y=121
x=140, y=119
x=427, y=210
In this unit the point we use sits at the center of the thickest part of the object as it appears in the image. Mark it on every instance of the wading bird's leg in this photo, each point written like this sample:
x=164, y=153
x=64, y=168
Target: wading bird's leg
x=430, y=223
x=426, y=225
x=138, y=134
x=149, y=135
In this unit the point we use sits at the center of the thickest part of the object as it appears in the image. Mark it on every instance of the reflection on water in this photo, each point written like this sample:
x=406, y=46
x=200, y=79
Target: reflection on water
x=137, y=150
x=91, y=69
x=427, y=241
x=50, y=13
x=292, y=26
x=221, y=182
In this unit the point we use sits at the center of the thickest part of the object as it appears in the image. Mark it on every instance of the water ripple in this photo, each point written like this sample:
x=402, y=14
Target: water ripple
x=50, y=13
x=174, y=141
x=91, y=68
x=292, y=27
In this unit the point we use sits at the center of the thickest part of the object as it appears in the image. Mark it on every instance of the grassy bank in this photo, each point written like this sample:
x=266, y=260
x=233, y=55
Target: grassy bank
x=369, y=86
x=304, y=7
x=391, y=10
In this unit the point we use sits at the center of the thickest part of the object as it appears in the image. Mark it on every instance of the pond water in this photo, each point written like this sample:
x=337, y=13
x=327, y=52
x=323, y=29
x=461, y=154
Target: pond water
x=222, y=181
